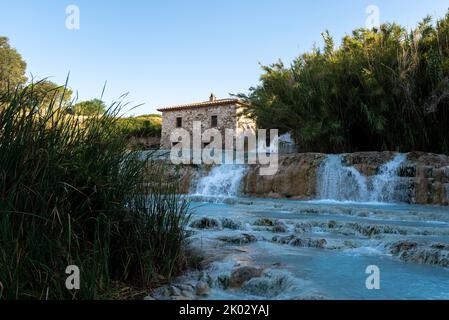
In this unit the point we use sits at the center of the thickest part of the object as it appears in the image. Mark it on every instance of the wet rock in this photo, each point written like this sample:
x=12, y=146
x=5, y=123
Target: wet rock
x=371, y=230
x=202, y=288
x=310, y=211
x=303, y=227
x=185, y=287
x=311, y=243
x=223, y=281
x=279, y=228
x=242, y=275
x=435, y=254
x=149, y=298
x=174, y=291
x=264, y=222
x=332, y=224
x=368, y=163
x=239, y=239
x=163, y=292
x=300, y=242
x=350, y=244
x=296, y=177
x=402, y=246
x=205, y=277
x=230, y=224
x=189, y=295
x=266, y=286
x=440, y=246
x=206, y=223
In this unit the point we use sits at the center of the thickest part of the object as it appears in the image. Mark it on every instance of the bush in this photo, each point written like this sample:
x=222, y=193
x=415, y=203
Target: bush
x=141, y=126
x=72, y=194
x=381, y=89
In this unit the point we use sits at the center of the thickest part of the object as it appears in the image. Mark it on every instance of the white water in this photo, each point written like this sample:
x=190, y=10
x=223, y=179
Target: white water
x=341, y=183
x=223, y=181
x=335, y=183
x=338, y=182
x=384, y=184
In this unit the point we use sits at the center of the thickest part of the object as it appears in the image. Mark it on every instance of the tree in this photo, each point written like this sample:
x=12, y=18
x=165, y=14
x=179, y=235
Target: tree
x=381, y=89
x=12, y=66
x=47, y=92
x=90, y=107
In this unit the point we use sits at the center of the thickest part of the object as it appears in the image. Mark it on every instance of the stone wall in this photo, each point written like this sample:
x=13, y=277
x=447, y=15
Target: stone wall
x=228, y=117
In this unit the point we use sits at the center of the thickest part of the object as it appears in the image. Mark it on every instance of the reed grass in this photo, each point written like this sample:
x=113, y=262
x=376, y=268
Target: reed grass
x=72, y=194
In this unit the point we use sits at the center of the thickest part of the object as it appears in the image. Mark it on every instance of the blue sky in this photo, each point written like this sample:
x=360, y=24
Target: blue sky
x=178, y=51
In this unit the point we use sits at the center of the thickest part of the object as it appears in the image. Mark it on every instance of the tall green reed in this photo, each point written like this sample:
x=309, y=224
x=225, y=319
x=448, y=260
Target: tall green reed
x=72, y=194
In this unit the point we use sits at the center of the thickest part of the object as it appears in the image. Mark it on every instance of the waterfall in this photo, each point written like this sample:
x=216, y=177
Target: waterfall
x=339, y=182
x=345, y=183
x=222, y=181
x=385, y=183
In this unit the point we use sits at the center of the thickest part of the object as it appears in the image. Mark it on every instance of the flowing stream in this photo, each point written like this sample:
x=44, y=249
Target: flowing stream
x=313, y=249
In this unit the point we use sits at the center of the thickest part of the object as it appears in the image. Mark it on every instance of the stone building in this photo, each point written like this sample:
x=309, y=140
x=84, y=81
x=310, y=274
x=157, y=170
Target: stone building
x=220, y=114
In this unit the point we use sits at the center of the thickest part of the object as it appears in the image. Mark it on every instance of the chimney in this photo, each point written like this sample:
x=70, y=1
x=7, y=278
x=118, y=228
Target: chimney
x=212, y=97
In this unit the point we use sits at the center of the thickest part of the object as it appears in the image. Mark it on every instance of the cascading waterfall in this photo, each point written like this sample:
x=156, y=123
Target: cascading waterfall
x=339, y=182
x=385, y=183
x=222, y=181
x=345, y=183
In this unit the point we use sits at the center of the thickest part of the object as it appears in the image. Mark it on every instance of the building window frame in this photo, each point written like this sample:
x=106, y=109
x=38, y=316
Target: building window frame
x=178, y=122
x=214, y=121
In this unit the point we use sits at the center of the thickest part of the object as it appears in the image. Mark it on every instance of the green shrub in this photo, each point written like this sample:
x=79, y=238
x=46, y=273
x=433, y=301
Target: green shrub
x=381, y=89
x=141, y=126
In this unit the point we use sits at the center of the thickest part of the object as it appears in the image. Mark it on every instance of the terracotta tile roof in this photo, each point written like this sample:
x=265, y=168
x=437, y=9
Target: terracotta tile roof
x=221, y=102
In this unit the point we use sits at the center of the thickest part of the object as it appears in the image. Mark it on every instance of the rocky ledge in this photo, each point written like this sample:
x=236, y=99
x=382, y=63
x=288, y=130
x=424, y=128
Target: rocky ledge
x=423, y=176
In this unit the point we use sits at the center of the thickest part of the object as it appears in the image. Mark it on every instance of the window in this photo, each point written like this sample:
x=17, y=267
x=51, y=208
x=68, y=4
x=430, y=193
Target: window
x=178, y=122
x=214, y=121
x=268, y=139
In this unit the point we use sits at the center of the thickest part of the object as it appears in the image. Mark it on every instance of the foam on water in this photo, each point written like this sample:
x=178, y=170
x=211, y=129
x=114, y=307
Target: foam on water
x=223, y=181
x=339, y=183
x=385, y=183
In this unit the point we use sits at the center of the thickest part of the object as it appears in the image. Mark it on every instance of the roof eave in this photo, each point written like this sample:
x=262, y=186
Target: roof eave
x=202, y=105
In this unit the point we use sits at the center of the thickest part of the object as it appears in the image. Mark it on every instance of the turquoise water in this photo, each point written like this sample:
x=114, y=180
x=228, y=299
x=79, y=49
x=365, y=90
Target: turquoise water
x=357, y=235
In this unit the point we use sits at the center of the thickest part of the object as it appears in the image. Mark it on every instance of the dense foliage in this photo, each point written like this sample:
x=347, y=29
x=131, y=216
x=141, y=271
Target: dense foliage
x=12, y=66
x=89, y=107
x=141, y=126
x=72, y=194
x=385, y=89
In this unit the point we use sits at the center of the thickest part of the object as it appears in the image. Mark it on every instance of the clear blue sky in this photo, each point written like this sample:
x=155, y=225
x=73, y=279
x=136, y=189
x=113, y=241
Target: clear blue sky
x=167, y=52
